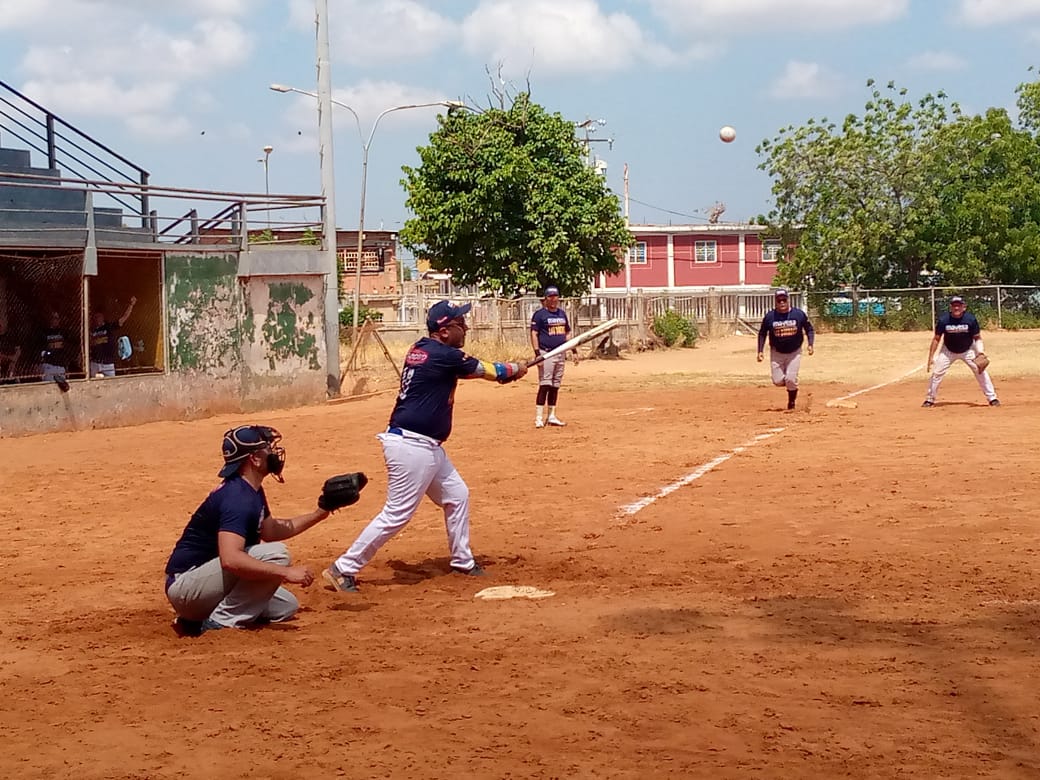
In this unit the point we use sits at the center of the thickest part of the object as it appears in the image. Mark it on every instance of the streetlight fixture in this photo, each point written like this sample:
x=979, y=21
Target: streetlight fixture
x=365, y=145
x=267, y=181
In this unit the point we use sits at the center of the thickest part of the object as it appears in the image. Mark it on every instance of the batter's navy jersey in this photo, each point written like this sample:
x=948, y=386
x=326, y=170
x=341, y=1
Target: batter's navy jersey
x=234, y=506
x=552, y=328
x=785, y=331
x=958, y=332
x=427, y=397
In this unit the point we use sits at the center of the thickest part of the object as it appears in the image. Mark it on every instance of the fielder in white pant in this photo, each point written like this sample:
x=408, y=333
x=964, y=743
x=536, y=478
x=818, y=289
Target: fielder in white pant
x=961, y=337
x=416, y=463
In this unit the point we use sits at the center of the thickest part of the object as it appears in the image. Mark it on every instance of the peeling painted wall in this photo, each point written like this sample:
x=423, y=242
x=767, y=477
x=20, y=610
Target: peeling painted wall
x=203, y=302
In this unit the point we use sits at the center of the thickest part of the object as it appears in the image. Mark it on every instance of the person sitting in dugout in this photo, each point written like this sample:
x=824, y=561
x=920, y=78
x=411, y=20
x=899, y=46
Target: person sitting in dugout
x=229, y=566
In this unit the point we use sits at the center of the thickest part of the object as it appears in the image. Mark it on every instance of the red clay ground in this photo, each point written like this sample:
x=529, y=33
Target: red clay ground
x=854, y=597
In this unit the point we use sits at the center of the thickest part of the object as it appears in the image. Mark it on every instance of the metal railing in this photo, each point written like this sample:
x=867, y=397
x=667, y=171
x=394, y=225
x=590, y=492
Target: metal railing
x=68, y=149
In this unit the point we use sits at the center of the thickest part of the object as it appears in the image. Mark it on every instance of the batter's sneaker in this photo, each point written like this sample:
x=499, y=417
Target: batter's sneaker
x=556, y=421
x=538, y=423
x=994, y=402
x=476, y=571
x=928, y=404
x=344, y=583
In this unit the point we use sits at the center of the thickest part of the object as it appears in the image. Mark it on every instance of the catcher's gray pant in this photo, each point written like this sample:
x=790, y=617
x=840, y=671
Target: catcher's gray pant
x=416, y=466
x=207, y=591
x=784, y=368
x=941, y=364
x=550, y=371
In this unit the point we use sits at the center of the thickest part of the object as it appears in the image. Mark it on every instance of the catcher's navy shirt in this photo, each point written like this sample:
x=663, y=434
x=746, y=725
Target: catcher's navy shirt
x=958, y=332
x=785, y=330
x=551, y=326
x=234, y=506
x=427, y=398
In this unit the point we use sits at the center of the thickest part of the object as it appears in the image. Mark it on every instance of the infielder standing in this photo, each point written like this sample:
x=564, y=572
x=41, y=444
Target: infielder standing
x=961, y=338
x=787, y=327
x=416, y=463
x=549, y=329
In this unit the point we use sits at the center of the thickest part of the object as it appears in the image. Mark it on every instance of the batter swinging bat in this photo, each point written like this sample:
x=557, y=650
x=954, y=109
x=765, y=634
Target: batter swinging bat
x=578, y=340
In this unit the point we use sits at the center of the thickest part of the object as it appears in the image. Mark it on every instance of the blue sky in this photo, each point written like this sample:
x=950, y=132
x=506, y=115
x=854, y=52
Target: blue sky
x=182, y=88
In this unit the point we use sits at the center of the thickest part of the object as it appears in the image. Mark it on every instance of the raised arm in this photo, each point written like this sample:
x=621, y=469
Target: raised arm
x=129, y=308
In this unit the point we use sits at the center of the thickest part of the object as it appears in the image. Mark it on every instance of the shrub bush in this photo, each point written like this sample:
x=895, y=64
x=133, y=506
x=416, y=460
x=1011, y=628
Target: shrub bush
x=346, y=315
x=676, y=330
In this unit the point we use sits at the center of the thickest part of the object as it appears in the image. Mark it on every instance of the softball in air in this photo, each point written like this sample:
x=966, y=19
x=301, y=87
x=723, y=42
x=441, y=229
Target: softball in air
x=727, y=134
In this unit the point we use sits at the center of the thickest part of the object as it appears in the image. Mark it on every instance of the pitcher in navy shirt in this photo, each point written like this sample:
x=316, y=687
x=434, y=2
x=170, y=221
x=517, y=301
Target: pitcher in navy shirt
x=961, y=338
x=787, y=328
x=228, y=568
x=416, y=463
x=549, y=329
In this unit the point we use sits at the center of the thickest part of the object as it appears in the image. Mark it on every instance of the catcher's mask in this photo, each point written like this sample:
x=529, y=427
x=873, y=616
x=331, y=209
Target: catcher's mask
x=239, y=443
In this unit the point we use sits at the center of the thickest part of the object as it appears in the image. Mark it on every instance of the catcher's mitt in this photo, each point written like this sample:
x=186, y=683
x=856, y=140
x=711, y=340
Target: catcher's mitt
x=981, y=361
x=341, y=490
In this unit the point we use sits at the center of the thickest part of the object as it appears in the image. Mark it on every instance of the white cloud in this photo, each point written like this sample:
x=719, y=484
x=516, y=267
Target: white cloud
x=712, y=15
x=805, y=80
x=573, y=36
x=937, y=60
x=363, y=32
x=981, y=13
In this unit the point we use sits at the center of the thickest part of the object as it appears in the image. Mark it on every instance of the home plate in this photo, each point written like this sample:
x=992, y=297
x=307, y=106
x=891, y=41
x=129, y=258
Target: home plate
x=841, y=403
x=500, y=592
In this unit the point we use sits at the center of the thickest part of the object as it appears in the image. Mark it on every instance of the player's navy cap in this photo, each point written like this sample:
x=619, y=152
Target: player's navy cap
x=956, y=299
x=552, y=291
x=781, y=293
x=240, y=441
x=442, y=312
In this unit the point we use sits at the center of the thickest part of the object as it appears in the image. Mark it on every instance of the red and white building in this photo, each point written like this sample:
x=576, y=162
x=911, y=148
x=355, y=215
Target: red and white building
x=691, y=257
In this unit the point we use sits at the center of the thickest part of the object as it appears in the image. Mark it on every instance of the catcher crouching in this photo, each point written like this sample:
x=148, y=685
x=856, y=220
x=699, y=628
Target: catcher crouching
x=229, y=567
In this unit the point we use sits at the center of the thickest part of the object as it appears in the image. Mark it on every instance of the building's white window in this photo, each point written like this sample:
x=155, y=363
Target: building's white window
x=772, y=251
x=637, y=253
x=705, y=252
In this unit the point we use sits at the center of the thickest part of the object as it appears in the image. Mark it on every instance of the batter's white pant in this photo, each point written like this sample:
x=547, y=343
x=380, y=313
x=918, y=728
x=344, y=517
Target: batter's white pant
x=784, y=368
x=208, y=591
x=416, y=466
x=941, y=364
x=550, y=371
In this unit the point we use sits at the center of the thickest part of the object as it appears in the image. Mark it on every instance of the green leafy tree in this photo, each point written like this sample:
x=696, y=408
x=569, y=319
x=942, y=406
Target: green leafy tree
x=909, y=188
x=504, y=199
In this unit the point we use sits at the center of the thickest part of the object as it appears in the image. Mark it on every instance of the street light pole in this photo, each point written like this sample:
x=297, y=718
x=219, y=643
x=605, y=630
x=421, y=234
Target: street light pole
x=365, y=146
x=267, y=181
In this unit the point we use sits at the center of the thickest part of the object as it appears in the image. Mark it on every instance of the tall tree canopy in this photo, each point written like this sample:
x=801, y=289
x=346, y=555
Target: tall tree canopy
x=505, y=199
x=907, y=190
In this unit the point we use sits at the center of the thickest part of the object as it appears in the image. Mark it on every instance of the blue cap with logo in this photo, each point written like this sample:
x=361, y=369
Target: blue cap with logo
x=956, y=299
x=781, y=293
x=442, y=312
x=552, y=291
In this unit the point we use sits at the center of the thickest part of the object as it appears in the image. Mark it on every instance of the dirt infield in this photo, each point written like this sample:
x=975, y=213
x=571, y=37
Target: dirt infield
x=855, y=596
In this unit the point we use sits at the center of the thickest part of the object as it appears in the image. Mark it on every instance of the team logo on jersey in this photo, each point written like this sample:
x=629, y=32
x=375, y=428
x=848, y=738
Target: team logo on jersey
x=958, y=328
x=416, y=357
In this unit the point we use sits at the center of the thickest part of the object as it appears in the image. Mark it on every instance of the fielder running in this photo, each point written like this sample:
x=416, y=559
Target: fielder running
x=961, y=338
x=416, y=462
x=786, y=326
x=549, y=329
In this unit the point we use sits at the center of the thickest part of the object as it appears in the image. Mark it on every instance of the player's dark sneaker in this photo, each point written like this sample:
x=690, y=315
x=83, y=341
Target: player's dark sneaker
x=62, y=383
x=928, y=404
x=790, y=405
x=211, y=625
x=994, y=402
x=476, y=571
x=345, y=583
x=184, y=627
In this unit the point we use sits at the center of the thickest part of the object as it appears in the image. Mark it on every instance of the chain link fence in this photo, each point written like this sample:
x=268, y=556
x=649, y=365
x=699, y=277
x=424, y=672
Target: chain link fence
x=54, y=324
x=1010, y=307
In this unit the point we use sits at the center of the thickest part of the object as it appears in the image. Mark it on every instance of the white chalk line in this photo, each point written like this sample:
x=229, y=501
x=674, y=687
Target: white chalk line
x=700, y=471
x=697, y=473
x=913, y=370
